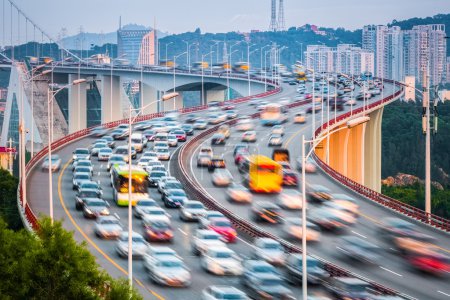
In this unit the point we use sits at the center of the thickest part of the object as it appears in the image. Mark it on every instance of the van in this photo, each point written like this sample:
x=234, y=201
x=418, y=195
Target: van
x=138, y=141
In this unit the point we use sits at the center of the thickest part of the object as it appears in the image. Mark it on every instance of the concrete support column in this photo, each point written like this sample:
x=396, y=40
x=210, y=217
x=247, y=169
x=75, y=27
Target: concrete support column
x=77, y=105
x=337, y=147
x=111, y=98
x=355, y=159
x=148, y=95
x=215, y=95
x=372, y=151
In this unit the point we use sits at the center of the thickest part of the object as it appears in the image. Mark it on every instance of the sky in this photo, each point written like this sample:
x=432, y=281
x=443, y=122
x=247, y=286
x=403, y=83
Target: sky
x=177, y=16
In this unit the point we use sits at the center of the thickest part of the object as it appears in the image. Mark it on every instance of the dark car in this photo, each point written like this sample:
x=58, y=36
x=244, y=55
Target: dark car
x=266, y=286
x=309, y=110
x=84, y=194
x=216, y=162
x=119, y=134
x=154, y=177
x=174, y=198
x=191, y=118
x=188, y=129
x=348, y=288
x=294, y=269
x=290, y=178
x=266, y=211
x=150, y=134
x=319, y=193
x=241, y=154
x=157, y=230
x=218, y=139
x=92, y=208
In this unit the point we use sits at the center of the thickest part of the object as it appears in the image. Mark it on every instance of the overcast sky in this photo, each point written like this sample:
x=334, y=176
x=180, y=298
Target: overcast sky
x=175, y=16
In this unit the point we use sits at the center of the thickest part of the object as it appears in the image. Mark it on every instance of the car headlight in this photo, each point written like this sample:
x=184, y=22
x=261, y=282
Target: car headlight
x=188, y=214
x=105, y=211
x=88, y=211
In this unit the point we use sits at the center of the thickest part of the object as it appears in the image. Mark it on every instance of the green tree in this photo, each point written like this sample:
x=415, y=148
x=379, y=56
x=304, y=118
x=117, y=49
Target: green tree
x=8, y=200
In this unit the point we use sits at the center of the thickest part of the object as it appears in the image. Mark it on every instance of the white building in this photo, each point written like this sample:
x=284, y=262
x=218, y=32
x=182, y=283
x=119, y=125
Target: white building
x=320, y=58
x=447, y=72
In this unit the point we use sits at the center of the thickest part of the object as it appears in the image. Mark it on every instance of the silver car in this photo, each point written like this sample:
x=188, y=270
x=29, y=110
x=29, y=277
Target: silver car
x=56, y=163
x=192, y=210
x=108, y=227
x=139, y=245
x=113, y=159
x=221, y=261
x=141, y=207
x=222, y=177
x=219, y=292
x=204, y=239
x=104, y=153
x=169, y=271
x=269, y=250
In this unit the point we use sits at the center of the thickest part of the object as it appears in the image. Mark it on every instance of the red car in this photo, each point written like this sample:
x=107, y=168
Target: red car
x=432, y=262
x=180, y=134
x=223, y=227
x=290, y=178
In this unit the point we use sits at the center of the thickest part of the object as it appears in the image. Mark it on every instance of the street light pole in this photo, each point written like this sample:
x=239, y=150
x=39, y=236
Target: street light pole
x=167, y=45
x=426, y=107
x=203, y=70
x=174, y=66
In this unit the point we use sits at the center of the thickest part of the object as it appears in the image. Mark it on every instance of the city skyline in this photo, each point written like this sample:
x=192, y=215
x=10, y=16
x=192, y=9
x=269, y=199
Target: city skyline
x=251, y=15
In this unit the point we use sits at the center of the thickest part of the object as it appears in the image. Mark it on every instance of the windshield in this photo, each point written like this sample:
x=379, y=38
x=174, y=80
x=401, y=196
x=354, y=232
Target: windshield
x=157, y=174
x=83, y=164
x=271, y=282
x=136, y=141
x=109, y=222
x=163, y=150
x=195, y=205
x=171, y=264
x=88, y=194
x=222, y=255
x=178, y=193
x=157, y=212
x=146, y=203
x=221, y=224
x=211, y=237
x=82, y=176
x=272, y=246
x=96, y=203
x=91, y=185
x=106, y=150
x=81, y=151
x=263, y=269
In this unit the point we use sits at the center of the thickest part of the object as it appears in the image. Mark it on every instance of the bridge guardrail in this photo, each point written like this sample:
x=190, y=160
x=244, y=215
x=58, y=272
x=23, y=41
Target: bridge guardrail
x=27, y=213
x=196, y=190
x=400, y=207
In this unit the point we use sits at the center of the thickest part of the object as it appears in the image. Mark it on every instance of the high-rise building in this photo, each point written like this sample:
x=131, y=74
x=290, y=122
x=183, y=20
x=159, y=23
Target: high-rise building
x=374, y=40
x=447, y=70
x=148, y=50
x=129, y=43
x=393, y=64
x=319, y=58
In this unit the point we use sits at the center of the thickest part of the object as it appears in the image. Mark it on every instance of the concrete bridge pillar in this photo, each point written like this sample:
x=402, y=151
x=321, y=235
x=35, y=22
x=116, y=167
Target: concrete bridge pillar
x=355, y=154
x=111, y=92
x=215, y=95
x=77, y=105
x=372, y=155
x=337, y=147
x=149, y=95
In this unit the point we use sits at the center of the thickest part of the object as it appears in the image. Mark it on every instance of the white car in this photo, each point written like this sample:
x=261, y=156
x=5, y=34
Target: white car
x=115, y=159
x=107, y=227
x=205, y=239
x=150, y=154
x=347, y=202
x=142, y=206
x=221, y=261
x=249, y=136
x=155, y=252
x=169, y=271
x=239, y=193
x=192, y=210
x=220, y=292
x=292, y=227
x=162, y=153
x=105, y=153
x=275, y=140
x=290, y=199
x=152, y=164
x=139, y=245
x=350, y=102
x=172, y=140
x=278, y=129
x=221, y=177
x=269, y=250
x=156, y=214
x=245, y=125
x=200, y=124
x=143, y=162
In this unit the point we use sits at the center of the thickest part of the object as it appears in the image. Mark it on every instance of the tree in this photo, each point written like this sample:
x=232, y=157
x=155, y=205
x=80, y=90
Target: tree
x=52, y=265
x=8, y=200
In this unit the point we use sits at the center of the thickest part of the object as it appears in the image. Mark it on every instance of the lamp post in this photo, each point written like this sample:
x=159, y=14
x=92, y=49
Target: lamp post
x=203, y=84
x=131, y=120
x=188, y=61
x=50, y=130
x=228, y=74
x=174, y=66
x=217, y=54
x=314, y=142
x=248, y=65
x=301, y=51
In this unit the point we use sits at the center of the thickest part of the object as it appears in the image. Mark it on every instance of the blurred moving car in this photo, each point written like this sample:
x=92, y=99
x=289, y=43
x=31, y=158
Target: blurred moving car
x=266, y=211
x=290, y=199
x=204, y=239
x=275, y=140
x=141, y=207
x=104, y=153
x=293, y=229
x=300, y=117
x=290, y=178
x=239, y=193
x=221, y=261
x=169, y=271
x=200, y=124
x=108, y=227
x=139, y=245
x=269, y=250
x=203, y=160
x=157, y=230
x=221, y=292
x=328, y=219
x=310, y=166
x=318, y=193
x=278, y=129
x=316, y=272
x=267, y=286
x=56, y=163
x=216, y=162
x=192, y=210
x=218, y=139
x=221, y=177
x=355, y=248
x=348, y=288
x=223, y=227
x=249, y=137
x=81, y=153
x=92, y=208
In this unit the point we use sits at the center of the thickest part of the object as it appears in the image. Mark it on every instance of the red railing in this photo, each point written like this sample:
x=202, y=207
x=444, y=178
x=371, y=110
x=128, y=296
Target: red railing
x=30, y=215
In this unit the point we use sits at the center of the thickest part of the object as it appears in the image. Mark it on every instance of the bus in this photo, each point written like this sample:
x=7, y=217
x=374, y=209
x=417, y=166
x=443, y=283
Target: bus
x=273, y=114
x=119, y=182
x=264, y=175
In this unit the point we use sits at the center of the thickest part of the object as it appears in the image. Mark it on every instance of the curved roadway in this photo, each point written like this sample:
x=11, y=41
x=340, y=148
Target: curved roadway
x=64, y=208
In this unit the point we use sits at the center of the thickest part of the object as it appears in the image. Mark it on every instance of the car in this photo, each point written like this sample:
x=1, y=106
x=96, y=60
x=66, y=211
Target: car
x=167, y=183
x=172, y=140
x=163, y=153
x=83, y=163
x=266, y=211
x=169, y=271
x=316, y=108
x=278, y=129
x=115, y=159
x=174, y=198
x=100, y=131
x=329, y=219
x=97, y=147
x=139, y=245
x=239, y=194
x=225, y=130
x=348, y=203
x=204, y=221
x=200, y=124
x=231, y=114
x=123, y=150
x=290, y=178
x=240, y=146
x=84, y=194
x=267, y=286
x=360, y=250
x=90, y=185
x=179, y=134
x=293, y=229
x=55, y=162
x=203, y=239
x=104, y=154
x=221, y=177
x=315, y=269
x=348, y=288
x=143, y=161
x=154, y=213
x=223, y=227
x=249, y=137
x=141, y=207
x=216, y=162
x=318, y=193
x=269, y=250
x=252, y=267
x=157, y=230
x=78, y=178
x=191, y=118
x=82, y=169
x=218, y=139
x=119, y=134
x=153, y=165
x=81, y=153
x=350, y=102
x=108, y=227
x=188, y=129
x=192, y=210
x=245, y=125
x=220, y=292
x=150, y=154
x=393, y=228
x=290, y=199
x=164, y=143
x=300, y=117
x=149, y=134
x=220, y=260
x=216, y=118
x=310, y=166
x=154, y=177
x=203, y=160
x=160, y=128
x=275, y=140
x=92, y=208
x=228, y=107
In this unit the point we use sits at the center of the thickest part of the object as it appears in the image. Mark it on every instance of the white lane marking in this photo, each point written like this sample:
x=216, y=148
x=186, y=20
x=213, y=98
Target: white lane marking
x=248, y=244
x=390, y=271
x=339, y=248
x=117, y=216
x=441, y=292
x=101, y=166
x=363, y=236
x=182, y=231
x=98, y=173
